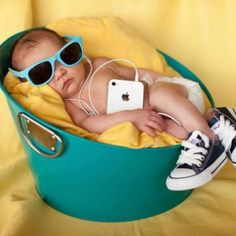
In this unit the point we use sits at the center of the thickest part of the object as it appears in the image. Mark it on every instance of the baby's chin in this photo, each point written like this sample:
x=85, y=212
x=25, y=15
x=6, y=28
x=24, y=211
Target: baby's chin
x=70, y=92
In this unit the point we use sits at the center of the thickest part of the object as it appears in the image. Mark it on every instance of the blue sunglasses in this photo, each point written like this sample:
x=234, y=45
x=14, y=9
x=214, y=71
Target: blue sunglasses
x=42, y=72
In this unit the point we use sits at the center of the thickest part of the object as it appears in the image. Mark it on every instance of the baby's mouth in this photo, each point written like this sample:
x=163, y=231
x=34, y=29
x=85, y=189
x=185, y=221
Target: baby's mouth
x=65, y=84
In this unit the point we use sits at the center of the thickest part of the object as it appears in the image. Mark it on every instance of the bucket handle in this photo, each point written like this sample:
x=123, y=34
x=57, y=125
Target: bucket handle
x=41, y=139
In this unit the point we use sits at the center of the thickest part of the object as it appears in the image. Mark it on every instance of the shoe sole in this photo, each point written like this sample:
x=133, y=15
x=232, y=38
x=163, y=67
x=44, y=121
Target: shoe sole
x=196, y=181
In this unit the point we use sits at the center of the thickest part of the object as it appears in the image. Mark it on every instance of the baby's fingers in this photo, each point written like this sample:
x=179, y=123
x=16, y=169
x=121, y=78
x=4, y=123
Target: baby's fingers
x=159, y=122
x=155, y=125
x=150, y=131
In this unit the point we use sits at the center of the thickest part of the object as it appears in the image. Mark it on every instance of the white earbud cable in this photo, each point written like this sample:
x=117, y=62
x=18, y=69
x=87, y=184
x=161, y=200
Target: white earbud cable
x=99, y=68
x=88, y=110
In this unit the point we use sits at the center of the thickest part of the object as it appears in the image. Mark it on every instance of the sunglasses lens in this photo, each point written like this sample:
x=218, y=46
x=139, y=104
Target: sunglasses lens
x=71, y=54
x=41, y=73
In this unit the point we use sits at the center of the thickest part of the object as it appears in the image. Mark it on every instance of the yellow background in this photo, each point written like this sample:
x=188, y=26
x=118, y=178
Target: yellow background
x=199, y=33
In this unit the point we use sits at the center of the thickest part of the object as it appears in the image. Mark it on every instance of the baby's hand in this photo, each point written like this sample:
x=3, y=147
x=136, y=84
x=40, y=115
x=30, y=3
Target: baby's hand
x=147, y=120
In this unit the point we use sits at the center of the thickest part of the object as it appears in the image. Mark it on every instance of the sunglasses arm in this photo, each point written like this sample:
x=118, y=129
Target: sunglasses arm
x=16, y=73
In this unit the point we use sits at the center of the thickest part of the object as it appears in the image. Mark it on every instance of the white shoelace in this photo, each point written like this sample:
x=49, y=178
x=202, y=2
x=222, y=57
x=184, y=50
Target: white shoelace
x=225, y=132
x=193, y=155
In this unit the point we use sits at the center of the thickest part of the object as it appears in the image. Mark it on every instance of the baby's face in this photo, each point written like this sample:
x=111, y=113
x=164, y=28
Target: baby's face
x=67, y=81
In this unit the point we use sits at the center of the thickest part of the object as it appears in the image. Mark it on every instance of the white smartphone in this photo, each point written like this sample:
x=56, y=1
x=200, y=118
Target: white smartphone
x=124, y=95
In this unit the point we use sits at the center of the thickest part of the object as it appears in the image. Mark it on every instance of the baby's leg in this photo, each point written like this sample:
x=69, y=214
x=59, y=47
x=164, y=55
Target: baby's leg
x=175, y=129
x=172, y=99
x=200, y=159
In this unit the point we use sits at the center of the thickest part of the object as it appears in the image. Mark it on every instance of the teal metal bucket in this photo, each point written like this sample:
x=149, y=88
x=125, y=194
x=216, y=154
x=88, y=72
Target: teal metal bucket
x=91, y=180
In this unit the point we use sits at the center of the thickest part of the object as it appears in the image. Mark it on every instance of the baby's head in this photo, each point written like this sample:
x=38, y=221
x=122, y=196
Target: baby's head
x=64, y=72
x=27, y=44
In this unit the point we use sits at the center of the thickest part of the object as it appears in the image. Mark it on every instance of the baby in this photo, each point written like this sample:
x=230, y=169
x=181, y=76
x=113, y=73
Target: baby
x=41, y=57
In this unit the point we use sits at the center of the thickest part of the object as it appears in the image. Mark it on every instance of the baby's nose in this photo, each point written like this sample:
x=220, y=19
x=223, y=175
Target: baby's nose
x=60, y=71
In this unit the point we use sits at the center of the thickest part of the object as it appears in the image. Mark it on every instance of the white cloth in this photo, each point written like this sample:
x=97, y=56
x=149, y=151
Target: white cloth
x=195, y=94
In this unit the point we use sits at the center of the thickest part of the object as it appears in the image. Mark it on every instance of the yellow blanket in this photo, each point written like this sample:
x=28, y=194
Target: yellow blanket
x=202, y=35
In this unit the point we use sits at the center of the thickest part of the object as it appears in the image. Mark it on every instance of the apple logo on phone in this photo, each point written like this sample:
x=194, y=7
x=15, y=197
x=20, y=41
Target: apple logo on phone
x=125, y=97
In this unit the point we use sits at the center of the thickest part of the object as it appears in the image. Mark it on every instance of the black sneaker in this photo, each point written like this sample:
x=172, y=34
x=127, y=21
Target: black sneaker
x=223, y=125
x=199, y=161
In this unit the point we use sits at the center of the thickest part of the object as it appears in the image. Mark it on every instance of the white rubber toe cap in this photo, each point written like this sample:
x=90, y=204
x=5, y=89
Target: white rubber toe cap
x=181, y=173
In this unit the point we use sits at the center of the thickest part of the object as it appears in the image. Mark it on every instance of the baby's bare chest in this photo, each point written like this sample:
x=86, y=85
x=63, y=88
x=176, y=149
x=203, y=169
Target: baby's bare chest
x=97, y=89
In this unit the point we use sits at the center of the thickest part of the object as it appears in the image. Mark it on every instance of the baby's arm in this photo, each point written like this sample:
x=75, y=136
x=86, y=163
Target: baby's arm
x=146, y=120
